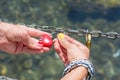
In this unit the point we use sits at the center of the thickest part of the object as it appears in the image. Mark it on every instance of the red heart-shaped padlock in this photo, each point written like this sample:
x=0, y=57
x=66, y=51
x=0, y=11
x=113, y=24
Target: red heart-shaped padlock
x=46, y=40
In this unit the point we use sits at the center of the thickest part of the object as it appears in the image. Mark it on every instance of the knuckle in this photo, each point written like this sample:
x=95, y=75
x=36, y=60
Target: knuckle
x=25, y=36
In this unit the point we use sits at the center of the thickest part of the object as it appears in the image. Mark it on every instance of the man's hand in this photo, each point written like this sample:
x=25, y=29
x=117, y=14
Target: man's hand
x=20, y=39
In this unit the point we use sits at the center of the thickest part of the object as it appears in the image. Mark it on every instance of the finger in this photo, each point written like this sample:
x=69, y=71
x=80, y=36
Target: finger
x=32, y=43
x=31, y=51
x=46, y=49
x=71, y=40
x=58, y=50
x=36, y=33
x=63, y=41
x=23, y=49
x=57, y=47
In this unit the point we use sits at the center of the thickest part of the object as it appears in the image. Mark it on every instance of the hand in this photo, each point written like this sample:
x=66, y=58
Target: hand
x=69, y=49
x=19, y=39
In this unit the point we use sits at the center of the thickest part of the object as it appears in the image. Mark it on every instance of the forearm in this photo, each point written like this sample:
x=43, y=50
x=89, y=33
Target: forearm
x=1, y=32
x=3, y=28
x=78, y=73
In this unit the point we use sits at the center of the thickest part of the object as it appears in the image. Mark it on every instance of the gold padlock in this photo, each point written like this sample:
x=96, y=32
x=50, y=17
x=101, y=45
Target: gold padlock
x=88, y=40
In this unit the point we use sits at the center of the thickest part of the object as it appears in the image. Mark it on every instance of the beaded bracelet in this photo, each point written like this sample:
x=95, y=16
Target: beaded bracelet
x=86, y=63
x=6, y=78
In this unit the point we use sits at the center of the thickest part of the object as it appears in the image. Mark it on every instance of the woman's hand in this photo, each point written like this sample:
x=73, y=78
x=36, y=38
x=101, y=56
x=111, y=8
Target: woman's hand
x=20, y=39
x=70, y=49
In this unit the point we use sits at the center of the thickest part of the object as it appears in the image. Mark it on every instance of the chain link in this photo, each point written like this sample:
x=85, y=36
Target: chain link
x=79, y=32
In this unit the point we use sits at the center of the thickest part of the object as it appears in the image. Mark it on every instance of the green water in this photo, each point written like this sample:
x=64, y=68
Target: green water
x=102, y=15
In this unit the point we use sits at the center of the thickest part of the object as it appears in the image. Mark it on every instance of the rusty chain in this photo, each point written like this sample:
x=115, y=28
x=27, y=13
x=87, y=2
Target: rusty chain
x=78, y=32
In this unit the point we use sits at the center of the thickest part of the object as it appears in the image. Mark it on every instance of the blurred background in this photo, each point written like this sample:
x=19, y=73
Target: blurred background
x=103, y=15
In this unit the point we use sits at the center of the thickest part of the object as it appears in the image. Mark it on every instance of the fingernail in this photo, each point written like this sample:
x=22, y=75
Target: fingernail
x=61, y=36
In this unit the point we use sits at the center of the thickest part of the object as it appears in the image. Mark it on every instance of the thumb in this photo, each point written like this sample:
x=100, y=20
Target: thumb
x=63, y=41
x=31, y=43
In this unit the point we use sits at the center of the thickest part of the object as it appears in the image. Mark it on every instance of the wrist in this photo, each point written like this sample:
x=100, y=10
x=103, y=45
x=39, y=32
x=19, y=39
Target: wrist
x=74, y=74
x=77, y=58
x=80, y=63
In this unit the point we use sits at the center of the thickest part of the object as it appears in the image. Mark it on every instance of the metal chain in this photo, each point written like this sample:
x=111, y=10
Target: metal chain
x=78, y=32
